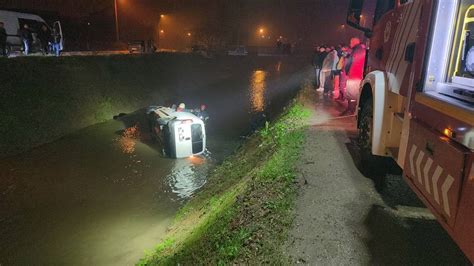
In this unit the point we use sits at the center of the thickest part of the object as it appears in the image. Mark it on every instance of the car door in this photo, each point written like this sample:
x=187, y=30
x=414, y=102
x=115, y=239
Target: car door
x=57, y=28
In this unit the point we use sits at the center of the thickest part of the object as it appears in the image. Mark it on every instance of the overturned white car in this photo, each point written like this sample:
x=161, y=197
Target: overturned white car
x=182, y=134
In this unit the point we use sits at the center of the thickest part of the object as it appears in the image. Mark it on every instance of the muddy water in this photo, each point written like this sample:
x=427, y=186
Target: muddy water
x=105, y=194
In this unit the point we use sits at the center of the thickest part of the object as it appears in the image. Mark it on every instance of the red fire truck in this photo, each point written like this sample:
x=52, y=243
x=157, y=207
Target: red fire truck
x=416, y=101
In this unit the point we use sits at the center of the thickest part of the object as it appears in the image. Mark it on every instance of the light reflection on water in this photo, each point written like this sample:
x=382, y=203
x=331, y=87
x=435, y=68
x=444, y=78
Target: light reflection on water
x=278, y=66
x=128, y=140
x=188, y=176
x=257, y=90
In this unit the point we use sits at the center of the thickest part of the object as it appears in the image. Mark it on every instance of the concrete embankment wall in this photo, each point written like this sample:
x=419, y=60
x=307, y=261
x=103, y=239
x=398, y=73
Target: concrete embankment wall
x=42, y=99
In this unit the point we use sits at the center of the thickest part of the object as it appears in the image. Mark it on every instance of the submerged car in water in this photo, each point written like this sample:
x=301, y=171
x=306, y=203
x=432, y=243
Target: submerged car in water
x=182, y=134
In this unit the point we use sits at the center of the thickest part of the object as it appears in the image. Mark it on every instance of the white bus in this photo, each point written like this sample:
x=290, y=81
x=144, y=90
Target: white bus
x=14, y=21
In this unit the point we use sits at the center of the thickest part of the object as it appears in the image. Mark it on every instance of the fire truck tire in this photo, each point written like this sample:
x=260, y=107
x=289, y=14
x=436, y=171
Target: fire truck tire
x=370, y=165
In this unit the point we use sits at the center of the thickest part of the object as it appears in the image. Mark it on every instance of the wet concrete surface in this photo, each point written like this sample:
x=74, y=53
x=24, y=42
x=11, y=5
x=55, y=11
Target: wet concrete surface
x=344, y=218
x=104, y=195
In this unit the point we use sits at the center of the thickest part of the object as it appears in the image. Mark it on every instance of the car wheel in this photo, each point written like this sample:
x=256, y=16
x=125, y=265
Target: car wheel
x=8, y=50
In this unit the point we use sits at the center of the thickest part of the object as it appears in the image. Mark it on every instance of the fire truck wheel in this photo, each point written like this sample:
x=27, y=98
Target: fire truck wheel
x=364, y=139
x=370, y=165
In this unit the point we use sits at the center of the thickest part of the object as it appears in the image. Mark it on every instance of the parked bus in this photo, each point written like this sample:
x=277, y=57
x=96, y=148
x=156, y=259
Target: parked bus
x=14, y=21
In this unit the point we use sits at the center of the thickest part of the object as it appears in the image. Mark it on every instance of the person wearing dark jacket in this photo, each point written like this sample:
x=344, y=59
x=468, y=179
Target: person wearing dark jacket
x=44, y=36
x=26, y=38
x=3, y=40
x=317, y=62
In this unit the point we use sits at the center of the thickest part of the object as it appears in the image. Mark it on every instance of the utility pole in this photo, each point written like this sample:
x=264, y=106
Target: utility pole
x=117, y=32
x=239, y=21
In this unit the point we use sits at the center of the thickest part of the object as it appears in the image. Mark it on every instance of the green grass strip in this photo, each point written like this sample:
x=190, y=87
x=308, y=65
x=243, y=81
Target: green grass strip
x=244, y=213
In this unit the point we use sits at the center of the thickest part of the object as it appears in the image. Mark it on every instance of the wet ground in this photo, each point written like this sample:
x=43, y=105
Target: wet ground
x=344, y=218
x=104, y=195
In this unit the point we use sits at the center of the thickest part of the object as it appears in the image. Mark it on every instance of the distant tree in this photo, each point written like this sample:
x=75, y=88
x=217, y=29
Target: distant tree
x=210, y=34
x=220, y=26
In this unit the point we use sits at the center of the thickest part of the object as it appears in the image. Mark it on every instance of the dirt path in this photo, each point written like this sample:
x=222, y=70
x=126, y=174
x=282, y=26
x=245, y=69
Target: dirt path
x=341, y=219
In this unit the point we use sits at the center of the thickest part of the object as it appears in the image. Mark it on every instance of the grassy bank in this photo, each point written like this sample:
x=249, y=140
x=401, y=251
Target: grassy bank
x=44, y=98
x=244, y=213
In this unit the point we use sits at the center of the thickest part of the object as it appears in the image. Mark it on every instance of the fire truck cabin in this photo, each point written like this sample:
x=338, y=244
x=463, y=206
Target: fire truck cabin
x=419, y=86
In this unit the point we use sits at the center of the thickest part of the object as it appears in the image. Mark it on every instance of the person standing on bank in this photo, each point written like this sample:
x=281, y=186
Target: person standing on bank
x=3, y=40
x=329, y=66
x=26, y=38
x=341, y=65
x=355, y=73
x=56, y=38
x=44, y=36
x=317, y=62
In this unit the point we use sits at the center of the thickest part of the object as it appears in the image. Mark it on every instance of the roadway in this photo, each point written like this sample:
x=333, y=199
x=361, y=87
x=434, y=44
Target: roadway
x=344, y=218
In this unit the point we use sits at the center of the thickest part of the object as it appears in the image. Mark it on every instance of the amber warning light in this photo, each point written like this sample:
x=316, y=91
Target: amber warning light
x=449, y=133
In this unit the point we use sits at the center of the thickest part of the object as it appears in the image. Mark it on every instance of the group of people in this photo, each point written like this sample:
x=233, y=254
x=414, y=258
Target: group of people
x=200, y=112
x=339, y=71
x=49, y=42
x=284, y=46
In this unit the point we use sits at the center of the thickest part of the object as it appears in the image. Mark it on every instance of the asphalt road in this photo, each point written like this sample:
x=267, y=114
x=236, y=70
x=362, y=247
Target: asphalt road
x=343, y=218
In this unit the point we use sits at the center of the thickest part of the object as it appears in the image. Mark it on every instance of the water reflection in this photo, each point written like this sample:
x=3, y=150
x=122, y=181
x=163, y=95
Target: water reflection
x=257, y=90
x=128, y=140
x=187, y=176
x=278, y=66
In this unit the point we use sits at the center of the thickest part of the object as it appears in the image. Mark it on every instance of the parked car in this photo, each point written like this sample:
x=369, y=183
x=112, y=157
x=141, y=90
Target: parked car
x=141, y=46
x=239, y=51
x=201, y=50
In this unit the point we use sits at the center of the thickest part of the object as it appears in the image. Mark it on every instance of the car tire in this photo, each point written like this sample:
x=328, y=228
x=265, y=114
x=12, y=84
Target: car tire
x=8, y=50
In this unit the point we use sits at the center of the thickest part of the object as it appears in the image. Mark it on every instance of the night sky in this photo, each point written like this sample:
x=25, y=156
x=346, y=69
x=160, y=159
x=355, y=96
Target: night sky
x=304, y=21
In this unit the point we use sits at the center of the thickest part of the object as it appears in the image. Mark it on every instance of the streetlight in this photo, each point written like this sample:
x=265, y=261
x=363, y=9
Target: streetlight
x=88, y=36
x=261, y=30
x=189, y=34
x=117, y=32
